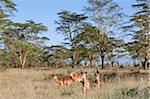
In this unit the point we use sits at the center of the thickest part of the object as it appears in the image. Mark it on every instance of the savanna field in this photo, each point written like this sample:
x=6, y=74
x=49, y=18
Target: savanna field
x=74, y=49
x=37, y=83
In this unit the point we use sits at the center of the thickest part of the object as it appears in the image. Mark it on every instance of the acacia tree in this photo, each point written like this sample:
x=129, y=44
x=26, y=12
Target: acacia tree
x=85, y=52
x=116, y=50
x=70, y=24
x=18, y=40
x=56, y=56
x=132, y=49
x=107, y=17
x=106, y=14
x=7, y=8
x=95, y=42
x=23, y=40
x=102, y=42
x=139, y=27
x=85, y=44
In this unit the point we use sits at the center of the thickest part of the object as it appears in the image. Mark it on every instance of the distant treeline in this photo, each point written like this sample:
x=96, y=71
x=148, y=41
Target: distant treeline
x=91, y=39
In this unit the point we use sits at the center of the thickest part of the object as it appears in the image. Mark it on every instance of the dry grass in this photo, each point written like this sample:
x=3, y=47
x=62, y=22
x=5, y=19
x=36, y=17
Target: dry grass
x=37, y=84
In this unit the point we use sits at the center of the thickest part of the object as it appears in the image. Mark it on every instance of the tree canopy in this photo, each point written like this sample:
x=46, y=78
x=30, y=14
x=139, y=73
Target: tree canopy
x=92, y=38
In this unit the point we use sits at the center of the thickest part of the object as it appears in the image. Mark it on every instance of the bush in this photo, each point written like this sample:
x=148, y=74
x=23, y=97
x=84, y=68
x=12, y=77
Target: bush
x=131, y=92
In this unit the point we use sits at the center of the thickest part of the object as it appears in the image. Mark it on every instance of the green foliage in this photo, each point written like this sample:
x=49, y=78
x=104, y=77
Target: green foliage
x=6, y=10
x=7, y=7
x=63, y=75
x=19, y=41
x=70, y=25
x=139, y=27
x=147, y=88
x=131, y=92
x=107, y=15
x=95, y=42
x=108, y=18
x=21, y=44
x=22, y=40
x=56, y=56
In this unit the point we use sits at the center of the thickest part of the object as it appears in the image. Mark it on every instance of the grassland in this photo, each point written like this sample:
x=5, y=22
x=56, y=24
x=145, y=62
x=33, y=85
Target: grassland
x=38, y=84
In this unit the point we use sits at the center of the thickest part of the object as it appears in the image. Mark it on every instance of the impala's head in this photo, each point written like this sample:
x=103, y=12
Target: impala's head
x=97, y=72
x=71, y=74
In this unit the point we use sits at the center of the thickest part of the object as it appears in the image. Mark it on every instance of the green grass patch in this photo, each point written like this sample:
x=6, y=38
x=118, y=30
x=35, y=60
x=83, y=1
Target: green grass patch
x=130, y=92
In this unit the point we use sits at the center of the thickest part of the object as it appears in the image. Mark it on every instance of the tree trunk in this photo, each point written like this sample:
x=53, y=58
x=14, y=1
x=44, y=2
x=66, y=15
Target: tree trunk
x=144, y=63
x=91, y=63
x=72, y=65
x=102, y=57
x=23, y=64
x=148, y=64
x=135, y=63
x=112, y=63
x=24, y=59
x=73, y=59
x=85, y=64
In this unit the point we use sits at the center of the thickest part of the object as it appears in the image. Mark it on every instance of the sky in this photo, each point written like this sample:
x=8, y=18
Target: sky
x=45, y=11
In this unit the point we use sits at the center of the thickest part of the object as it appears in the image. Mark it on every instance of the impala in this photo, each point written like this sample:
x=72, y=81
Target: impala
x=86, y=83
x=63, y=80
x=97, y=79
x=76, y=77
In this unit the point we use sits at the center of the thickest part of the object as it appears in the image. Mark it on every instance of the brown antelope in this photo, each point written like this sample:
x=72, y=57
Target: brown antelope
x=86, y=83
x=63, y=80
x=97, y=79
x=76, y=77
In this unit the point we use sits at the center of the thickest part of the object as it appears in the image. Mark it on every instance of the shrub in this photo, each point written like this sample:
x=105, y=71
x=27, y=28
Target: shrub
x=131, y=92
